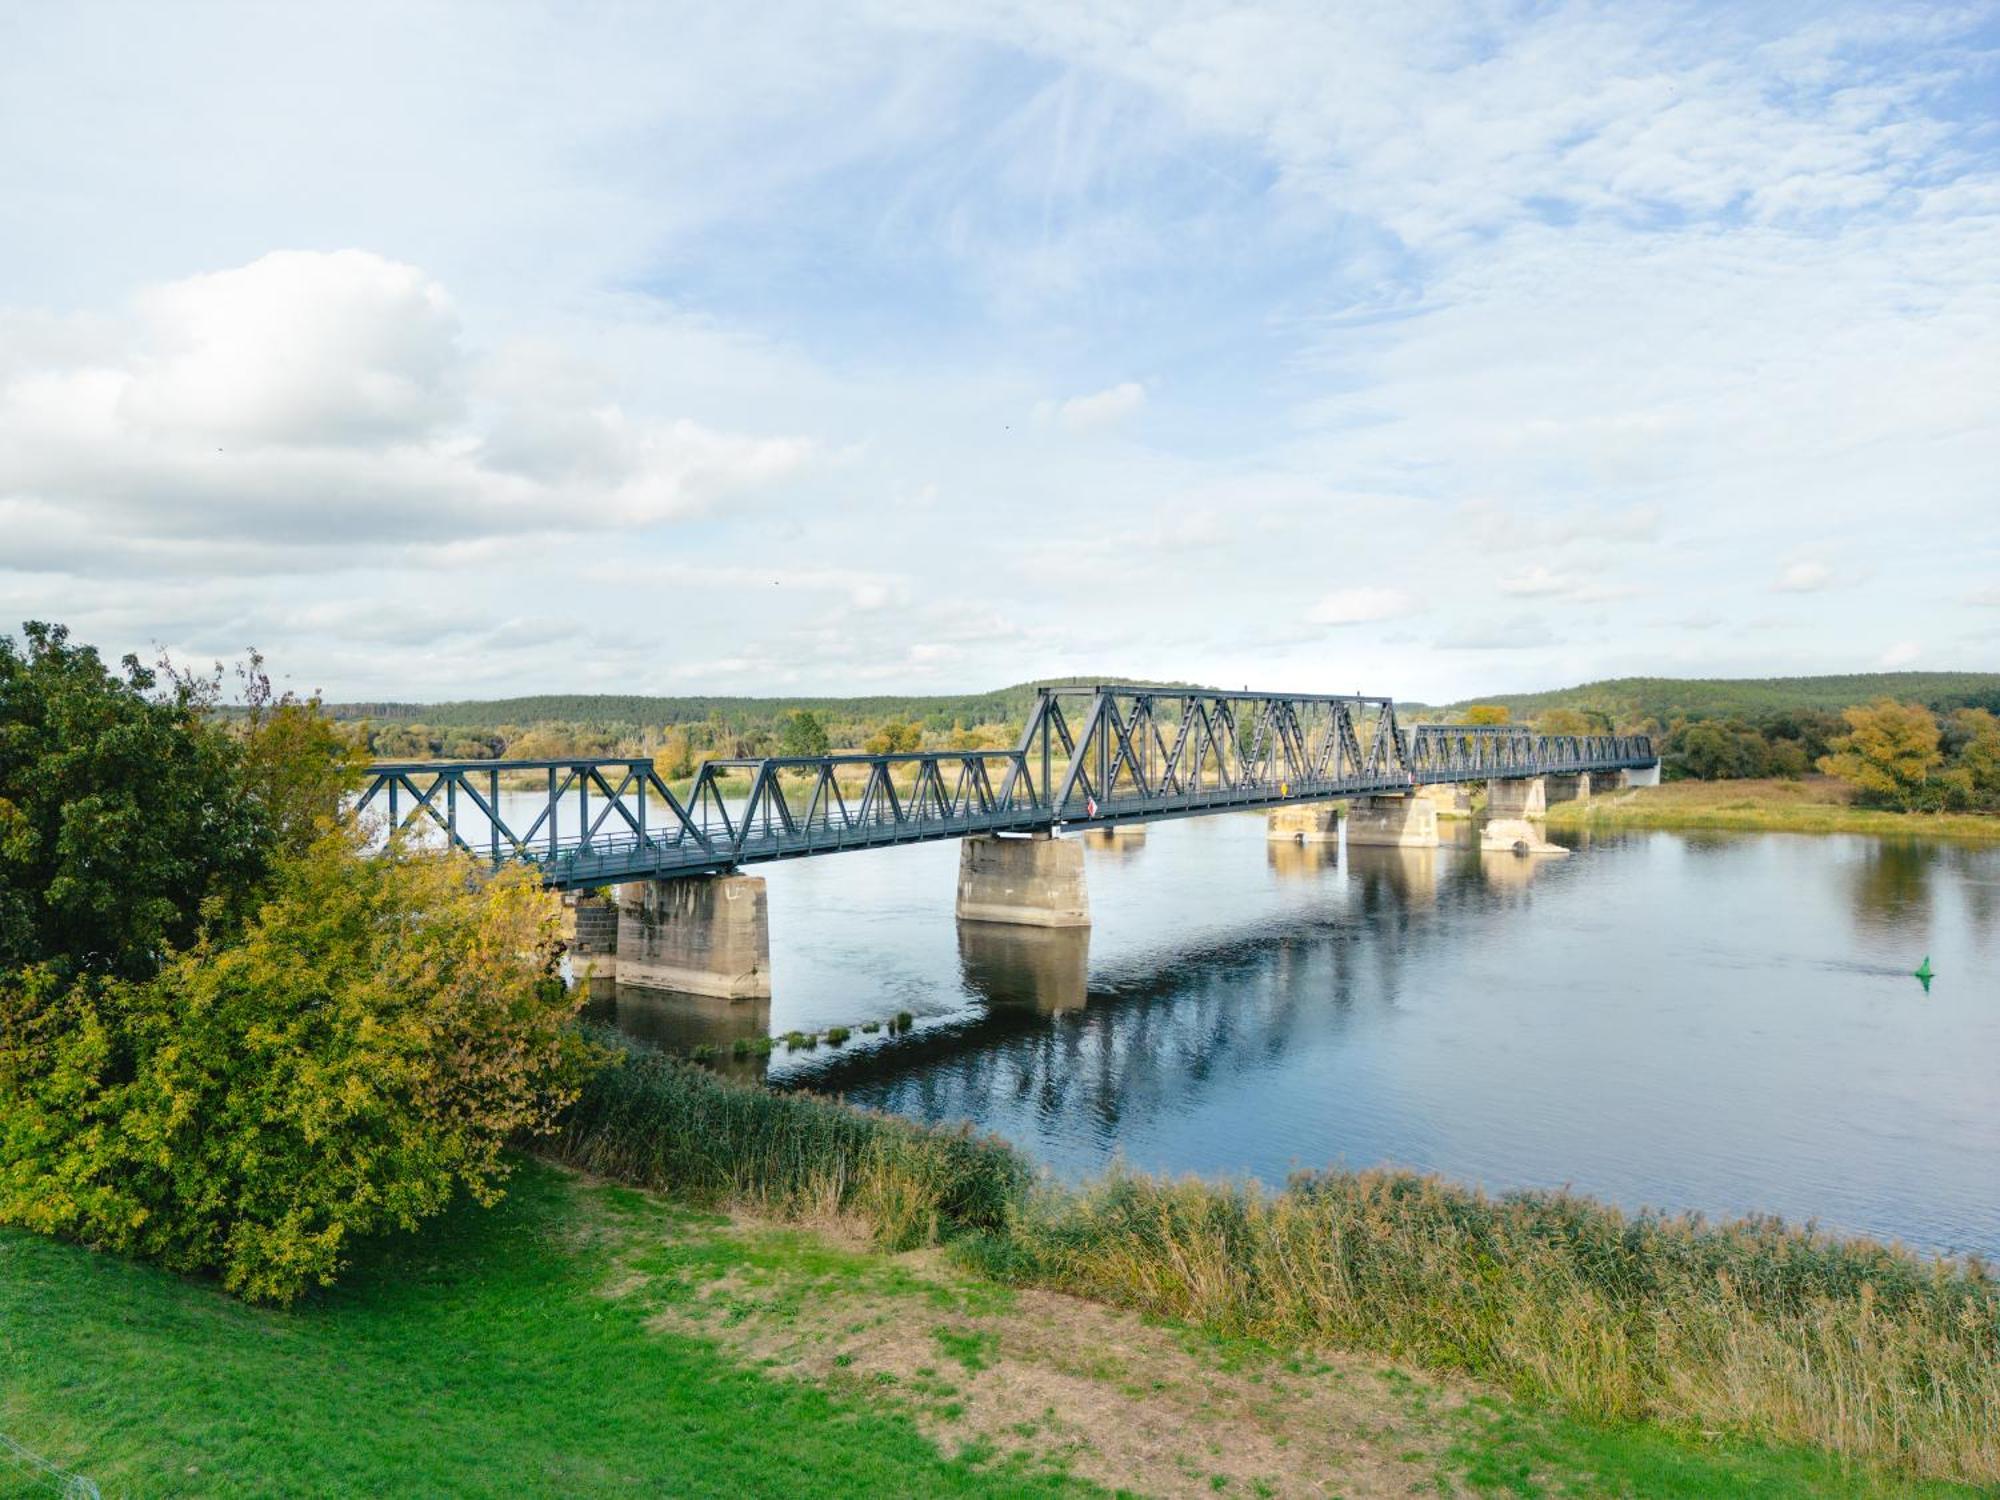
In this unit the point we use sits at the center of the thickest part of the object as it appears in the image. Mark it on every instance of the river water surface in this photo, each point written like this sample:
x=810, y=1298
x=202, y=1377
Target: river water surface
x=1685, y=1021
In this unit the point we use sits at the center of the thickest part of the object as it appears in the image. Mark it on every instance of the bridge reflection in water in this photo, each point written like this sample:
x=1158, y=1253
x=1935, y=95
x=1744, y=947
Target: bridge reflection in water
x=1704, y=1021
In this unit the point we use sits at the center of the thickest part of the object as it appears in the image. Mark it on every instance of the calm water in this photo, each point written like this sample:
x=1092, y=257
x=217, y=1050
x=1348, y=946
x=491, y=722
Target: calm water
x=1721, y=1022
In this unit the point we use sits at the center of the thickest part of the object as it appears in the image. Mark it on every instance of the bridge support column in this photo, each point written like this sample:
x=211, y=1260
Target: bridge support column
x=1515, y=836
x=1029, y=882
x=1650, y=776
x=595, y=944
x=1568, y=788
x=1399, y=822
x=1452, y=800
x=1305, y=823
x=702, y=935
x=1517, y=797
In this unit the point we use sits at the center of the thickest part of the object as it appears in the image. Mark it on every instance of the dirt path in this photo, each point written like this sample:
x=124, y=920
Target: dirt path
x=1027, y=1377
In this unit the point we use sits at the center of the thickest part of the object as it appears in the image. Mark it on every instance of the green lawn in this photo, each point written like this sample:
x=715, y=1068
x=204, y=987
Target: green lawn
x=478, y=1358
x=484, y=1357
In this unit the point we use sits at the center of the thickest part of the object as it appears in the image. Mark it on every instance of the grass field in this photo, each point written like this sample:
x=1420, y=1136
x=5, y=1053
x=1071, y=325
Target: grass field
x=1815, y=804
x=585, y=1339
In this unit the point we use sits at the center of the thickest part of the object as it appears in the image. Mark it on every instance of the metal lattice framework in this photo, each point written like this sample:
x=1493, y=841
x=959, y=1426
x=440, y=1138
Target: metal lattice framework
x=1097, y=755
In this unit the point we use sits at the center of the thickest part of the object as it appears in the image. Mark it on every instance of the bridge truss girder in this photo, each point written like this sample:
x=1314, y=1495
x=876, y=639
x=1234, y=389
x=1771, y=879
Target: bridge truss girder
x=1098, y=754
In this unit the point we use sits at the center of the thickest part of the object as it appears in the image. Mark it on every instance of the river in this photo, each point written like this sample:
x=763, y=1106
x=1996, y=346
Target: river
x=1719, y=1022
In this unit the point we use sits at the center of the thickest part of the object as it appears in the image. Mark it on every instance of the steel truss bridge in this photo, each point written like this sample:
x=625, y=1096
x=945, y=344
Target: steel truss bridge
x=1091, y=756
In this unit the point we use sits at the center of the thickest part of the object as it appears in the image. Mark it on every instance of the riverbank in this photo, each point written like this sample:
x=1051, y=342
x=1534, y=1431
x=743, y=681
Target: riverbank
x=1814, y=804
x=1861, y=1350
x=584, y=1337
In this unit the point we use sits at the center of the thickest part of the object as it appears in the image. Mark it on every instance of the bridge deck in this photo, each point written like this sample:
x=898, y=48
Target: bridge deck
x=1138, y=754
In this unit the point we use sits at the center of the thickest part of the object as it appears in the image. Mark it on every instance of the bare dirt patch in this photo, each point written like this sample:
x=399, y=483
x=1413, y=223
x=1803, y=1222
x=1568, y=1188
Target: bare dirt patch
x=1034, y=1377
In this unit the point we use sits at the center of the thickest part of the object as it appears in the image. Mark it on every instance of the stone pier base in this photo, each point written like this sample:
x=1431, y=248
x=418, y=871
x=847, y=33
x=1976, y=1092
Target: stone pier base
x=1517, y=797
x=1398, y=822
x=593, y=944
x=1515, y=836
x=1567, y=788
x=1650, y=776
x=1030, y=882
x=1452, y=800
x=703, y=935
x=1306, y=823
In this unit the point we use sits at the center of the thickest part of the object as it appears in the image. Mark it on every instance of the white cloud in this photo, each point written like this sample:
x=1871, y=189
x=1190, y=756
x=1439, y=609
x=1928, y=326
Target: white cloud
x=1550, y=306
x=1802, y=578
x=326, y=402
x=1902, y=654
x=1363, y=606
x=1536, y=581
x=1101, y=409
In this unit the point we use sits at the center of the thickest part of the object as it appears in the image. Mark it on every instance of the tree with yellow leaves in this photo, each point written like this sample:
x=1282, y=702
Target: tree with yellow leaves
x=1889, y=751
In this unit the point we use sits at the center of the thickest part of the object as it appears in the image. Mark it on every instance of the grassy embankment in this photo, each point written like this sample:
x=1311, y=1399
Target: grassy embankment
x=1846, y=1346
x=1816, y=804
x=1356, y=1334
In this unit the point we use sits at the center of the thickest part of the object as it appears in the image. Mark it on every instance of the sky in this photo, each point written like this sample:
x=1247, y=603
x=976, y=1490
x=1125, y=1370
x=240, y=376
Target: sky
x=445, y=351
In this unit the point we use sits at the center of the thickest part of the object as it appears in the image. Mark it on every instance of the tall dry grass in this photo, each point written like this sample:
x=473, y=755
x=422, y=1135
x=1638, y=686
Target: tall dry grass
x=1860, y=1348
x=656, y=1121
x=1848, y=1345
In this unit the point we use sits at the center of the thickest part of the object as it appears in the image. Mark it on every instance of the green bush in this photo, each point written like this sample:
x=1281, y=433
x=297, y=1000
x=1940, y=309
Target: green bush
x=362, y=1052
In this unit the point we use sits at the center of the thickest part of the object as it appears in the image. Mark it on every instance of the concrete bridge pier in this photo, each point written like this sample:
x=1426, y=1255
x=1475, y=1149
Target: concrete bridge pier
x=700, y=935
x=1304, y=823
x=1395, y=822
x=1517, y=797
x=592, y=929
x=1516, y=836
x=1650, y=776
x=1451, y=799
x=1568, y=788
x=1029, y=882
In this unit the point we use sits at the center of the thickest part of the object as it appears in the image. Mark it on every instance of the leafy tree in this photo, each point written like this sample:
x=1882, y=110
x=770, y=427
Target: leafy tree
x=401, y=742
x=124, y=815
x=895, y=738
x=1565, y=721
x=228, y=1039
x=804, y=734
x=297, y=764
x=381, y=1029
x=1488, y=713
x=1889, y=751
x=1715, y=750
x=1973, y=737
x=675, y=757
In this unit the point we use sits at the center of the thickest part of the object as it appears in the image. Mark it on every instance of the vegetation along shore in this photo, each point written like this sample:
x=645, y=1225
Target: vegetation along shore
x=1819, y=804
x=311, y=1182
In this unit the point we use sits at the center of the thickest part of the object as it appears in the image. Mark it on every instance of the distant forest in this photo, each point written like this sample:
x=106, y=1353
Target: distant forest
x=1635, y=700
x=1707, y=727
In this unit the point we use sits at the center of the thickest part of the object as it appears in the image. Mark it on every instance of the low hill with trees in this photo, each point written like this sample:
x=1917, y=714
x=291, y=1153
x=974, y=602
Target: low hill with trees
x=1633, y=700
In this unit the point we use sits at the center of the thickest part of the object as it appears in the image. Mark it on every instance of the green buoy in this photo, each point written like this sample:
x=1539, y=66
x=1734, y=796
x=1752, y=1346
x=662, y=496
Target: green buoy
x=1924, y=973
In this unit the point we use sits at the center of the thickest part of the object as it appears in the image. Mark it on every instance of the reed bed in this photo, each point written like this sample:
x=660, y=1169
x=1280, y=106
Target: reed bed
x=1863, y=1349
x=656, y=1121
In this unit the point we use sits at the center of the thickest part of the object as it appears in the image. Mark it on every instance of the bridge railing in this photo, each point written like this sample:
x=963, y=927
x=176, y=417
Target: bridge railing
x=1100, y=753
